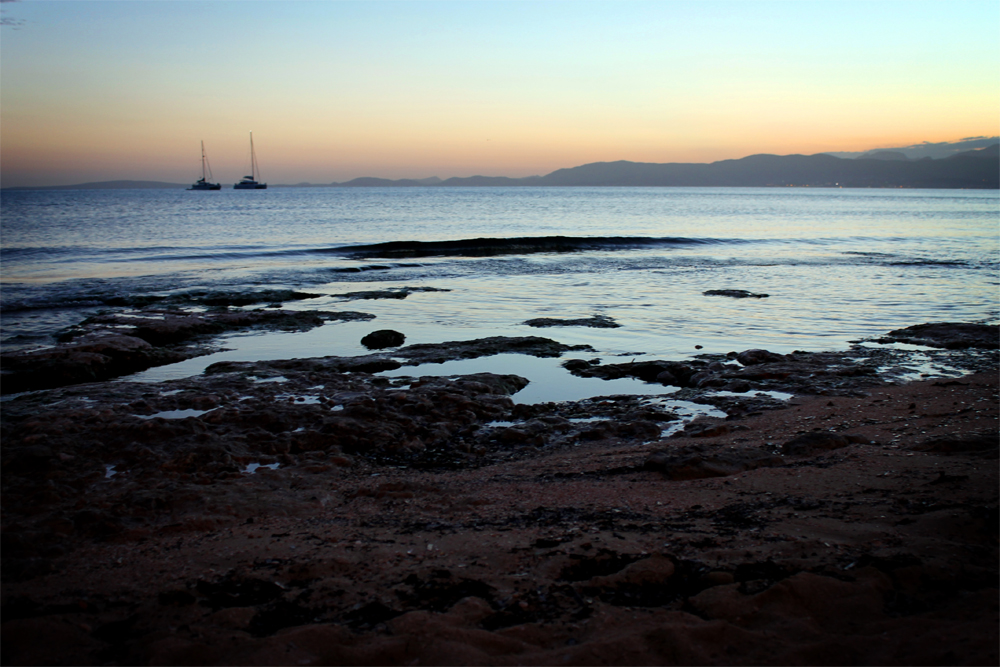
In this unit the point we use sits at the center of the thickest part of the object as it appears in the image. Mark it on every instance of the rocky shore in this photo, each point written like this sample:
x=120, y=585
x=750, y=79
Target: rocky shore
x=311, y=511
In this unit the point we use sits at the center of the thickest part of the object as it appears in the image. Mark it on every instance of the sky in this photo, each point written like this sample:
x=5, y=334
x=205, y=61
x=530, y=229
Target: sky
x=94, y=91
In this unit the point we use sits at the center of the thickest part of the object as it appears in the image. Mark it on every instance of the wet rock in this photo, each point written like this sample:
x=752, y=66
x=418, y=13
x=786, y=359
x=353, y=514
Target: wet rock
x=704, y=379
x=754, y=357
x=112, y=345
x=642, y=430
x=697, y=462
x=174, y=328
x=950, y=335
x=845, y=373
x=597, y=321
x=383, y=338
x=704, y=427
x=648, y=371
x=401, y=293
x=734, y=293
x=738, y=387
x=812, y=443
x=362, y=364
x=667, y=378
x=436, y=353
x=983, y=441
x=214, y=298
x=92, y=358
x=484, y=383
x=161, y=327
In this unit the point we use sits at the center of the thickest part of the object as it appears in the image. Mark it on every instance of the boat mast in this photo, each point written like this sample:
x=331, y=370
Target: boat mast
x=253, y=160
x=203, y=159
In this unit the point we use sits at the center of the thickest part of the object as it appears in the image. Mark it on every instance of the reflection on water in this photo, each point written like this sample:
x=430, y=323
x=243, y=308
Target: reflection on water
x=548, y=381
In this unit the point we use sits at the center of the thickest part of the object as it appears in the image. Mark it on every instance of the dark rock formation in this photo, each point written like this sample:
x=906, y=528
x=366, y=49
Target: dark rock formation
x=383, y=338
x=848, y=372
x=950, y=335
x=753, y=357
x=112, y=345
x=89, y=359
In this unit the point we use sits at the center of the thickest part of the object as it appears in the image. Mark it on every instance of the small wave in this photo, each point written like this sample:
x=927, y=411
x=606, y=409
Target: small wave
x=53, y=303
x=929, y=262
x=210, y=298
x=875, y=255
x=362, y=269
x=488, y=247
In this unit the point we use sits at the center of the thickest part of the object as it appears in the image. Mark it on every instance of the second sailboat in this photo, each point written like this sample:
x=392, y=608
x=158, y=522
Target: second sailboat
x=250, y=182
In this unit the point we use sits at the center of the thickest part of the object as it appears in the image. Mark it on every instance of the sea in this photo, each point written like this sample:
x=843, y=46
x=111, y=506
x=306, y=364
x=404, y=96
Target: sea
x=837, y=266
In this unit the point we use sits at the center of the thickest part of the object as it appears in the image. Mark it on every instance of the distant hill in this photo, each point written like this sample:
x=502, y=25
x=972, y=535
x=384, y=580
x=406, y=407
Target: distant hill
x=883, y=155
x=109, y=185
x=992, y=152
x=882, y=169
x=976, y=169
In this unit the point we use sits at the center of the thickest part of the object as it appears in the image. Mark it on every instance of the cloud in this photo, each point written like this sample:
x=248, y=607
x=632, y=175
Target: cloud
x=8, y=21
x=928, y=149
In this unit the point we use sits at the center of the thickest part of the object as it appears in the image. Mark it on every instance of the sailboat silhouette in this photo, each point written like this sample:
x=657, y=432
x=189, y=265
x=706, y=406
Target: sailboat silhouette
x=206, y=173
x=250, y=182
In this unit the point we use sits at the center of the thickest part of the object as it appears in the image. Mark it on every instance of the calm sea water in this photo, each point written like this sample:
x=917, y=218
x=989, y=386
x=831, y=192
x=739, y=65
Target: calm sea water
x=838, y=264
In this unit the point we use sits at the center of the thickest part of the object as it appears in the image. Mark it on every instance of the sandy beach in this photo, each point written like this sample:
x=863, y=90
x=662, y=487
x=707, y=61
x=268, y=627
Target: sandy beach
x=310, y=512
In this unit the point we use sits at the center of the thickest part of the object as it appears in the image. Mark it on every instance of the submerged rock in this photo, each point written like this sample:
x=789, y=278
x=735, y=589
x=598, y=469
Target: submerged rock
x=436, y=353
x=401, y=293
x=215, y=299
x=597, y=322
x=735, y=294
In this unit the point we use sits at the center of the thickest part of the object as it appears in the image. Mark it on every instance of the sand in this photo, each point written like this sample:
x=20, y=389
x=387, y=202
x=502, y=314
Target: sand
x=881, y=551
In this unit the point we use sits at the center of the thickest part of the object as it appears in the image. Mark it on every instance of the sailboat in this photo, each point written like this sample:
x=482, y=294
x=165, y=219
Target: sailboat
x=250, y=182
x=203, y=183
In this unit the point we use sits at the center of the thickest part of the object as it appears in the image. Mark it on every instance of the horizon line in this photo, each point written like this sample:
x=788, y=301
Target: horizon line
x=834, y=154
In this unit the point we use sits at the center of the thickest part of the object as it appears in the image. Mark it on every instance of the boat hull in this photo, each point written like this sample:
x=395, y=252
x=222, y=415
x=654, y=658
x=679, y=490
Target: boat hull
x=250, y=186
x=206, y=186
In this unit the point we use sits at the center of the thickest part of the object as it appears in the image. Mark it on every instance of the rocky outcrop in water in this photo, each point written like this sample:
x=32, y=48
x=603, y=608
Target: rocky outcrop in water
x=835, y=373
x=596, y=322
x=383, y=338
x=400, y=293
x=950, y=335
x=111, y=345
x=735, y=294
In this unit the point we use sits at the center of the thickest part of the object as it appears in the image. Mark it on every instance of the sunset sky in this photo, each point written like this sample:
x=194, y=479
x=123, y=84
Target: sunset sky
x=93, y=91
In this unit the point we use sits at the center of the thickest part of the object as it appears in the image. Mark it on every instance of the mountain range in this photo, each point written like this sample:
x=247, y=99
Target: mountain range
x=970, y=169
x=974, y=169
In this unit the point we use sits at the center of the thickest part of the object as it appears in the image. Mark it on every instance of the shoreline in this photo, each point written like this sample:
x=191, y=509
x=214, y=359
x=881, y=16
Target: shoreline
x=435, y=519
